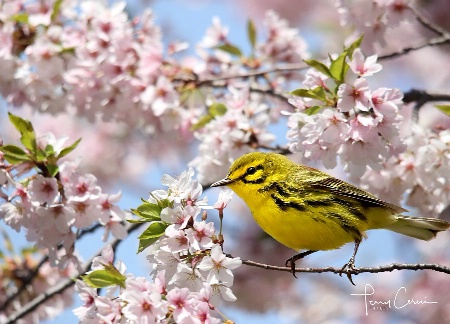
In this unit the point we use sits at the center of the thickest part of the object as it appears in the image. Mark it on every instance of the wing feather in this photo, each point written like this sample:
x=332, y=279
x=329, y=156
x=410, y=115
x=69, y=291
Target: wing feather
x=342, y=188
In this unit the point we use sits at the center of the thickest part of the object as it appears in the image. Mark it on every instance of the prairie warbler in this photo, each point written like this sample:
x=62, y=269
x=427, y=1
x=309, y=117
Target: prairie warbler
x=307, y=209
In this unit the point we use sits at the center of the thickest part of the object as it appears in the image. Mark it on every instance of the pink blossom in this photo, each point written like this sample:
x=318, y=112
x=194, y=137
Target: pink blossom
x=176, y=239
x=105, y=258
x=164, y=260
x=12, y=214
x=179, y=216
x=43, y=190
x=386, y=102
x=116, y=227
x=88, y=296
x=144, y=307
x=215, y=35
x=224, y=197
x=82, y=187
x=59, y=216
x=219, y=265
x=283, y=44
x=363, y=128
x=200, y=235
x=180, y=300
x=203, y=313
x=108, y=310
x=86, y=212
x=183, y=187
x=356, y=96
x=188, y=277
x=364, y=67
x=398, y=11
x=140, y=284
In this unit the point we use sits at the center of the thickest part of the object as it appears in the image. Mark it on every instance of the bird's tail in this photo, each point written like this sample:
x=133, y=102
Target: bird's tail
x=418, y=227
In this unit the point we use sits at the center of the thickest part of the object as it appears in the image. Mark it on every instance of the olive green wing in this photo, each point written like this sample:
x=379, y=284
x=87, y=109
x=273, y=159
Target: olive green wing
x=344, y=189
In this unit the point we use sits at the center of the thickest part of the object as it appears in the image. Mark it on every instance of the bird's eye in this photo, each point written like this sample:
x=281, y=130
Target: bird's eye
x=251, y=170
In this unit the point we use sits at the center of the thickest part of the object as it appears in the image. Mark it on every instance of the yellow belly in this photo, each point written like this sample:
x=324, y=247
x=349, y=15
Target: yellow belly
x=310, y=230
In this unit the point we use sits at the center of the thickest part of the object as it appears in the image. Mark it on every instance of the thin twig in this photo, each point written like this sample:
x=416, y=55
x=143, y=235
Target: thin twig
x=442, y=40
x=428, y=24
x=356, y=271
x=254, y=73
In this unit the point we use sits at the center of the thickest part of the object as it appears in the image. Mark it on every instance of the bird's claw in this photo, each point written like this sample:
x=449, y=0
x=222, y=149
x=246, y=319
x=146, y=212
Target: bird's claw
x=348, y=268
x=291, y=264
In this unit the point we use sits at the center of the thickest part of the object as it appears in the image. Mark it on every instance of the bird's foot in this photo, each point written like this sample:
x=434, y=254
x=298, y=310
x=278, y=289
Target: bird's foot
x=291, y=261
x=348, y=268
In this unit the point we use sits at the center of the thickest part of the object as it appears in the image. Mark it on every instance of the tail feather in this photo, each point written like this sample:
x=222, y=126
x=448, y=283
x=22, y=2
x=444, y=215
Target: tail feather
x=419, y=227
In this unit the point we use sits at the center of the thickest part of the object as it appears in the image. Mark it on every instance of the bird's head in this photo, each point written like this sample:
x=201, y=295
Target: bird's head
x=253, y=171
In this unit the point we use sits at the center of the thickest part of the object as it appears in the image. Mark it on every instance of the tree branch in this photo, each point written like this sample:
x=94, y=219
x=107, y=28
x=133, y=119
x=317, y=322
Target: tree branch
x=254, y=73
x=441, y=40
x=422, y=96
x=428, y=24
x=356, y=271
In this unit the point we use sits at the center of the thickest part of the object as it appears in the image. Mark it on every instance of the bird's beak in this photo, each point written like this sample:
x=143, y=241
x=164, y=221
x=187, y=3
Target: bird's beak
x=222, y=182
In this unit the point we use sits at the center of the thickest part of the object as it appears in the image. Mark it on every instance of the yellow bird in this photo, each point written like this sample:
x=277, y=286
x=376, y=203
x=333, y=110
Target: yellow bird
x=307, y=209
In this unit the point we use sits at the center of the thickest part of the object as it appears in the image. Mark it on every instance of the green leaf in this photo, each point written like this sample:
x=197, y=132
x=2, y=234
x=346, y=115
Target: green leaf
x=153, y=232
x=229, y=48
x=20, y=18
x=312, y=110
x=148, y=211
x=7, y=242
x=251, y=33
x=217, y=109
x=202, y=122
x=69, y=149
x=14, y=154
x=339, y=67
x=67, y=50
x=53, y=169
x=29, y=250
x=319, y=66
x=25, y=128
x=40, y=156
x=110, y=276
x=354, y=45
x=136, y=221
x=56, y=8
x=444, y=108
x=316, y=93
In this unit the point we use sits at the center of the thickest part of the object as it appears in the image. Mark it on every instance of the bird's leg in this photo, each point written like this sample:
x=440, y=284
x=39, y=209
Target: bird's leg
x=291, y=260
x=350, y=265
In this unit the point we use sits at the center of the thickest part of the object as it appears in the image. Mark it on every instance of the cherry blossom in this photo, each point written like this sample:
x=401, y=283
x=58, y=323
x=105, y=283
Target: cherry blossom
x=182, y=305
x=219, y=265
x=355, y=96
x=142, y=307
x=224, y=197
x=363, y=67
x=43, y=190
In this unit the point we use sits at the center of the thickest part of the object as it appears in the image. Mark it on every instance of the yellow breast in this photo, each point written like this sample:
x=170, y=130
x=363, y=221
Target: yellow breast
x=310, y=229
